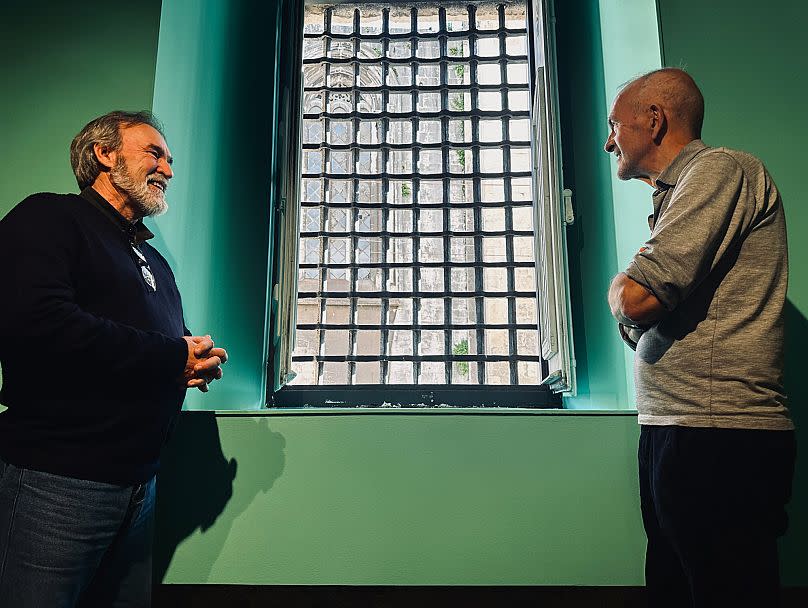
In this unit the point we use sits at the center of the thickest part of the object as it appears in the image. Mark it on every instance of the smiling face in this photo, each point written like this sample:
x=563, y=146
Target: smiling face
x=142, y=169
x=630, y=138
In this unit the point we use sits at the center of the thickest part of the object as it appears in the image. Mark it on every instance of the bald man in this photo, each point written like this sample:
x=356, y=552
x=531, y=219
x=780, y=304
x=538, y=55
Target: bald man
x=702, y=304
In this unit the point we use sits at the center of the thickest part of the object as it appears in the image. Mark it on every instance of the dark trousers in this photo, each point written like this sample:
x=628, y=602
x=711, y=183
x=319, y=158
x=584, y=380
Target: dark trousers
x=713, y=505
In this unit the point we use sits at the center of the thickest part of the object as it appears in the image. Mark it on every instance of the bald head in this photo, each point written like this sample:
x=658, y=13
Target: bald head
x=651, y=120
x=676, y=91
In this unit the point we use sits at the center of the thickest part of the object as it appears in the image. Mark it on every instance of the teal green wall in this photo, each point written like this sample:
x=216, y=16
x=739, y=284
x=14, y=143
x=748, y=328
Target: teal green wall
x=387, y=497
x=601, y=46
x=62, y=65
x=750, y=59
x=214, y=91
x=430, y=498
x=394, y=498
x=631, y=47
x=600, y=367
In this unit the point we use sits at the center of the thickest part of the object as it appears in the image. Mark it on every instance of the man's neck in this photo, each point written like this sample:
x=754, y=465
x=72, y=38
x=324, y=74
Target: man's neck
x=119, y=201
x=666, y=153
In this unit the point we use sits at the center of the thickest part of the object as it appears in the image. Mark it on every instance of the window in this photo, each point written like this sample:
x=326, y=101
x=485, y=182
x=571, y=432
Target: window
x=417, y=227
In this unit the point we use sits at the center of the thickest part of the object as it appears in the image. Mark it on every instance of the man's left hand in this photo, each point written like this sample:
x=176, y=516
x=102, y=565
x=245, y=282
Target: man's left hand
x=210, y=368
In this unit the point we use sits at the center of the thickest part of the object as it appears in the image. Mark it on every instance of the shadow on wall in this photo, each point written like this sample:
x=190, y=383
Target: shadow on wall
x=195, y=485
x=794, y=546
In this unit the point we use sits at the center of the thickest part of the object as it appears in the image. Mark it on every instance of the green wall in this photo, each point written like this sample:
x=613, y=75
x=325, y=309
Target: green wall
x=631, y=46
x=750, y=60
x=433, y=498
x=61, y=65
x=401, y=498
x=385, y=497
x=214, y=90
x=601, y=45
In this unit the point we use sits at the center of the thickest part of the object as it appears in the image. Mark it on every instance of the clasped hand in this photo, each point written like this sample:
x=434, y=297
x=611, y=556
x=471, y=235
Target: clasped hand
x=631, y=335
x=204, y=363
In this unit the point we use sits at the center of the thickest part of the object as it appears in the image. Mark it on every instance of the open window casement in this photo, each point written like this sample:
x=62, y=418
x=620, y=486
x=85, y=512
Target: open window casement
x=284, y=212
x=556, y=369
x=553, y=207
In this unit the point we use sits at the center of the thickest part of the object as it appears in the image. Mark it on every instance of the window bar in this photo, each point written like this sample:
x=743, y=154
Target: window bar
x=416, y=199
x=424, y=294
x=322, y=273
x=477, y=197
x=416, y=286
x=411, y=326
x=352, y=216
x=384, y=370
x=479, y=300
x=443, y=77
x=506, y=167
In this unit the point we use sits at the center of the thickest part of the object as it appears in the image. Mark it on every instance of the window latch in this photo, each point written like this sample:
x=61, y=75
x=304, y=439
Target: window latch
x=569, y=213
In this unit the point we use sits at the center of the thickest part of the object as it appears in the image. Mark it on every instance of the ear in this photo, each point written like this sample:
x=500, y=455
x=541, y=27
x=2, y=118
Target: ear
x=659, y=122
x=105, y=155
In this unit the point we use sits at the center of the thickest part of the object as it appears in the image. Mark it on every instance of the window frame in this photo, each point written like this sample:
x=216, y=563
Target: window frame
x=287, y=185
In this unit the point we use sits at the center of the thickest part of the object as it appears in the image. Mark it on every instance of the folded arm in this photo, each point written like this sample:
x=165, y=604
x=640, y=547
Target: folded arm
x=632, y=304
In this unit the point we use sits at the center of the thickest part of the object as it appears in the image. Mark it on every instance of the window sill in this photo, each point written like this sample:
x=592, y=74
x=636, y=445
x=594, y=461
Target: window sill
x=424, y=411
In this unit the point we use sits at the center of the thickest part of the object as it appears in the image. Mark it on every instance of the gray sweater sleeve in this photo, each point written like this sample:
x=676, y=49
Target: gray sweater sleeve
x=703, y=223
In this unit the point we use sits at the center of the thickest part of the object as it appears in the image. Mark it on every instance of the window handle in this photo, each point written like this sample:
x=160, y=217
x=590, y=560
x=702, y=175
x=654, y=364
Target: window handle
x=569, y=213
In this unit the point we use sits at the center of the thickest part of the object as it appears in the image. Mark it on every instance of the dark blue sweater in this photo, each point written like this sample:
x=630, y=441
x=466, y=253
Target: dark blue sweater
x=91, y=355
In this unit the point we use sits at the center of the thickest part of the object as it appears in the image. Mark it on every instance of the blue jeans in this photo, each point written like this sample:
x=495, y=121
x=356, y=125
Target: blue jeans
x=73, y=543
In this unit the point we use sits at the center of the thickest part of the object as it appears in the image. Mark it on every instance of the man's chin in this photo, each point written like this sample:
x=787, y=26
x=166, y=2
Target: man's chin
x=154, y=208
x=160, y=210
x=163, y=208
x=626, y=173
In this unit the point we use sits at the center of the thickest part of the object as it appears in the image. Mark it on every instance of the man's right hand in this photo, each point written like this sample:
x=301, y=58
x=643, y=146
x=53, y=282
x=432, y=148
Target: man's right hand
x=203, y=364
x=630, y=335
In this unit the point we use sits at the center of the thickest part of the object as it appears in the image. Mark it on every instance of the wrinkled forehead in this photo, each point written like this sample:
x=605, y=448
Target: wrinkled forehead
x=625, y=101
x=143, y=136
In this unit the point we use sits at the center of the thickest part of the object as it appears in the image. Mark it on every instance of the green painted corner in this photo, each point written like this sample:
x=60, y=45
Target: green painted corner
x=601, y=45
x=216, y=100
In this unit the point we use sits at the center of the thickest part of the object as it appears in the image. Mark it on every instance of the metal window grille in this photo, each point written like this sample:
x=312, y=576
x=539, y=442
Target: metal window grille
x=416, y=252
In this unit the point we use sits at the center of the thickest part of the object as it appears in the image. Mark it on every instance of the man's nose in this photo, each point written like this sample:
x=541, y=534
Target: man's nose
x=165, y=168
x=609, y=145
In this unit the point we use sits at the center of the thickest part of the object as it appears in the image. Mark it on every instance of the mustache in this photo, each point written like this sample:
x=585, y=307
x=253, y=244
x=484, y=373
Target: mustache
x=158, y=180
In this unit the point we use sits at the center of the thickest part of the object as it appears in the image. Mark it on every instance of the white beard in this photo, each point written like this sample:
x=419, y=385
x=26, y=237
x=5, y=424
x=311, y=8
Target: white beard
x=149, y=202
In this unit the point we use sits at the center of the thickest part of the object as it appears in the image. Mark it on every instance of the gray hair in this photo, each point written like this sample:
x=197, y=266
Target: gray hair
x=106, y=131
x=677, y=90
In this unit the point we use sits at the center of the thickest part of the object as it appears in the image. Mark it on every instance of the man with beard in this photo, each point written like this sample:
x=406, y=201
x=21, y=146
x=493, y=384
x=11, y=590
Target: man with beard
x=702, y=303
x=96, y=360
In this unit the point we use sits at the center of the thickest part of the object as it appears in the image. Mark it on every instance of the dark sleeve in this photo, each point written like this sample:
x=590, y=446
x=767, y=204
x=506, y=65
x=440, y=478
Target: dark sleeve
x=705, y=221
x=39, y=314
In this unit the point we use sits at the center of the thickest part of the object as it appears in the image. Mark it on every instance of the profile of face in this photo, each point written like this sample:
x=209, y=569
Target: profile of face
x=142, y=169
x=630, y=138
